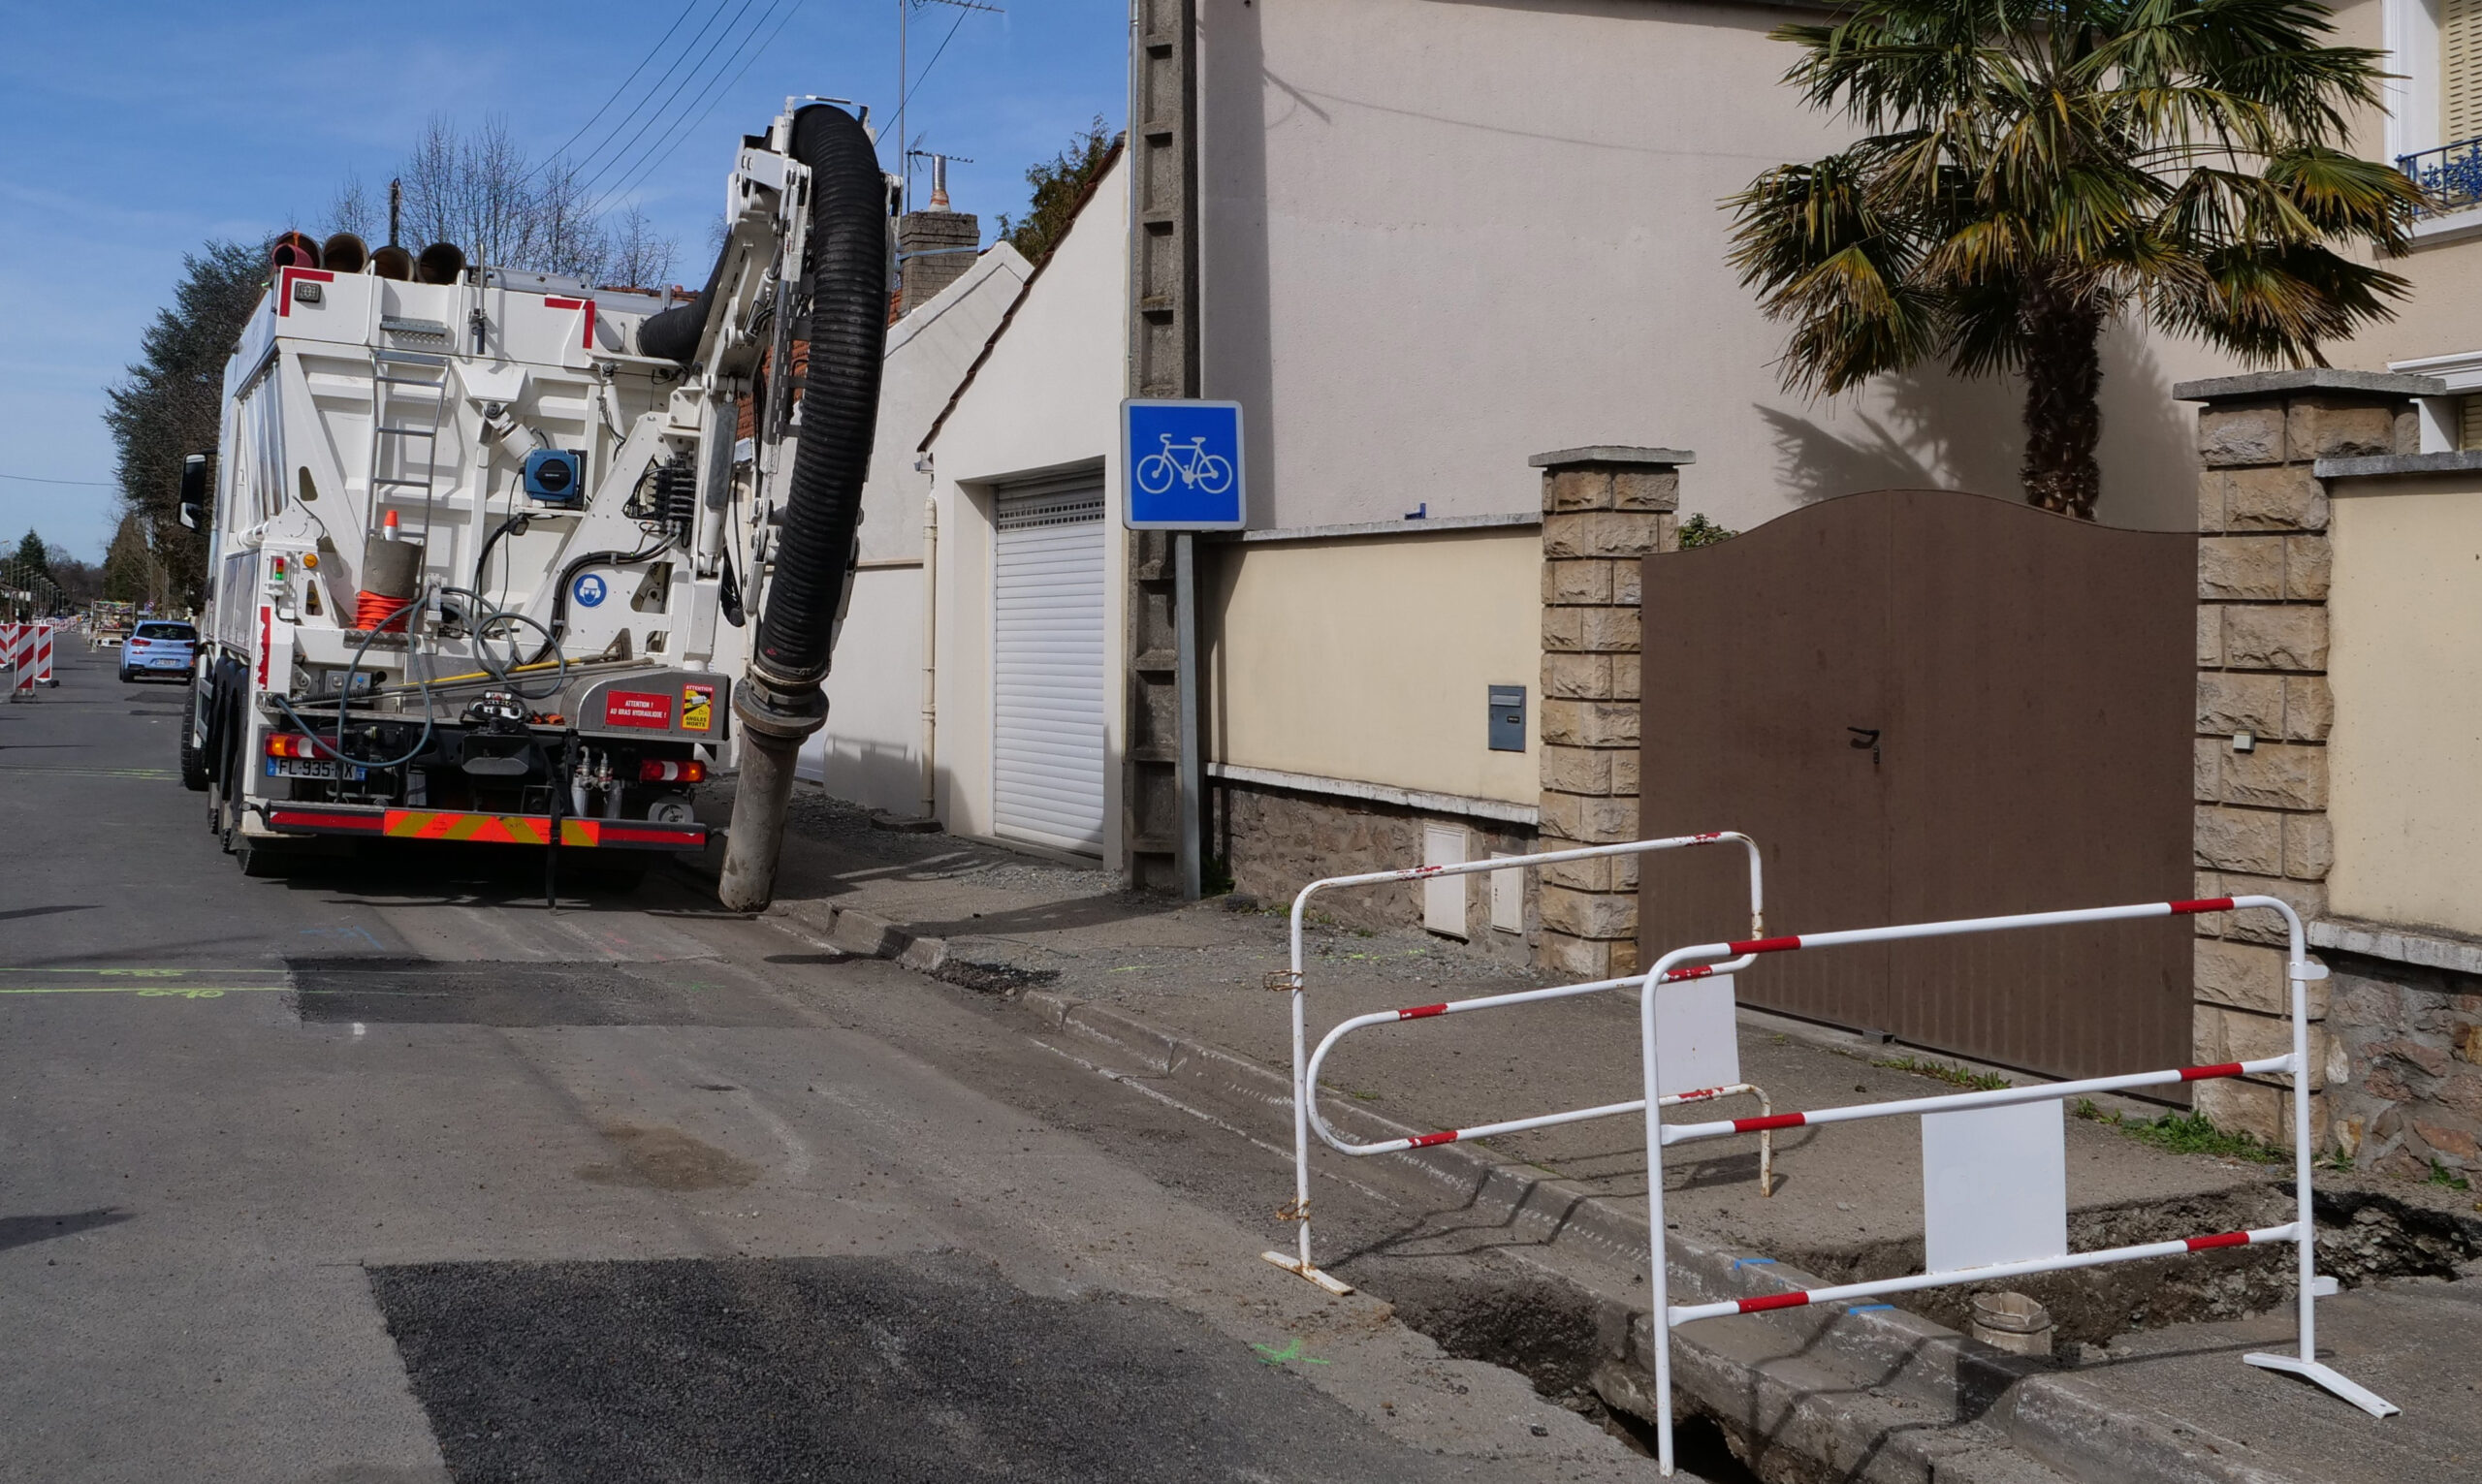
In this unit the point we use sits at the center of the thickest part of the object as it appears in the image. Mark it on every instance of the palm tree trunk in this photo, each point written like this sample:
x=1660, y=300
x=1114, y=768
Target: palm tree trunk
x=2063, y=417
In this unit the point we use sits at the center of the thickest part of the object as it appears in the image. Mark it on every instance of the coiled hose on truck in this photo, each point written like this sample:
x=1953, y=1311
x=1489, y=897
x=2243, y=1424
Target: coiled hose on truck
x=779, y=701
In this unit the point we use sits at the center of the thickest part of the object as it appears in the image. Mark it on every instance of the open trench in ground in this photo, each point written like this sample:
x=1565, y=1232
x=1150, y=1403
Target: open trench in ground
x=1559, y=1334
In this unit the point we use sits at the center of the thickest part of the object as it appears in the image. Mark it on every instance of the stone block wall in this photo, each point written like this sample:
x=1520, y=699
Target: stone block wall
x=2264, y=708
x=1276, y=840
x=1604, y=511
x=2408, y=1093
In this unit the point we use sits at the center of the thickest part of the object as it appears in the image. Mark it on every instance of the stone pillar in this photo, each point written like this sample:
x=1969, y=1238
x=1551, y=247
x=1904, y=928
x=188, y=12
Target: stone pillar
x=1604, y=511
x=2264, y=708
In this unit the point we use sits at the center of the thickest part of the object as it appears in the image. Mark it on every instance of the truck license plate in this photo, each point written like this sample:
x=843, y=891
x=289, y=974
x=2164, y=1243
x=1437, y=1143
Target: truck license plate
x=313, y=768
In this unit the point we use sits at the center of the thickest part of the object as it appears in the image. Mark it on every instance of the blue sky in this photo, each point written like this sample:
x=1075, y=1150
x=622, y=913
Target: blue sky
x=133, y=130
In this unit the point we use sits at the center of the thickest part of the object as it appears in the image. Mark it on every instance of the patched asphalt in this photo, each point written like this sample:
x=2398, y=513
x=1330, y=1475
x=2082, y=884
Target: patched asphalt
x=928, y=1368
x=513, y=995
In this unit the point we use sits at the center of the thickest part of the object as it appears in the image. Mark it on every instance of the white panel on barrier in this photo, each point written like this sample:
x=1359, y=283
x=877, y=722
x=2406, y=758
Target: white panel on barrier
x=1694, y=1045
x=1994, y=1185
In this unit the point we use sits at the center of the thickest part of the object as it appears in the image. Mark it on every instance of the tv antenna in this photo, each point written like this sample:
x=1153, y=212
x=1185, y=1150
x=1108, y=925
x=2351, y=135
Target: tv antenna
x=939, y=164
x=905, y=78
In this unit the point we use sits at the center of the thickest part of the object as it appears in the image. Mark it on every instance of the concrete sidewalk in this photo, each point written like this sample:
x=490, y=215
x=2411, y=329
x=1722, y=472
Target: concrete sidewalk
x=2148, y=1384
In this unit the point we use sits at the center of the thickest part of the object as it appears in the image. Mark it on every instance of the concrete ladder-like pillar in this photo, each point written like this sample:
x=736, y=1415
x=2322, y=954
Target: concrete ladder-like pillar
x=2264, y=708
x=1604, y=510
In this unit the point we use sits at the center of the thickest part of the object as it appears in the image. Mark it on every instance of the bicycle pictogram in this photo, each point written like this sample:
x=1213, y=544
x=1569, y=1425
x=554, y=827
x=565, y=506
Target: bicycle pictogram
x=1193, y=465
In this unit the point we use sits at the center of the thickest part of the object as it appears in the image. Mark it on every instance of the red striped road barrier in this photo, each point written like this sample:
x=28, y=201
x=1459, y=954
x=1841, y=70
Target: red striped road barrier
x=1997, y=1237
x=17, y=651
x=1305, y=1069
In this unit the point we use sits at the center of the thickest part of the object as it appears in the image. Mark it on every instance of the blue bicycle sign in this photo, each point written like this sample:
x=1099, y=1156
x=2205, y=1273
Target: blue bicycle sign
x=1184, y=465
x=1192, y=465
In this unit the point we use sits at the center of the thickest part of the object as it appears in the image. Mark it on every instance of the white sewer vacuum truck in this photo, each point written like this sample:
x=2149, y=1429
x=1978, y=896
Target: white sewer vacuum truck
x=493, y=557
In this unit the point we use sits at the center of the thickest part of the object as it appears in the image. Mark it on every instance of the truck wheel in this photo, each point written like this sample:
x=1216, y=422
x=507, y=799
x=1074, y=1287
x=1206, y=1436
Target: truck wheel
x=193, y=761
x=255, y=858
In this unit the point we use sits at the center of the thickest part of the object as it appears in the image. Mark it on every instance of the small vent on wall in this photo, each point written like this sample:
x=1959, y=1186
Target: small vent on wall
x=1444, y=896
x=2469, y=423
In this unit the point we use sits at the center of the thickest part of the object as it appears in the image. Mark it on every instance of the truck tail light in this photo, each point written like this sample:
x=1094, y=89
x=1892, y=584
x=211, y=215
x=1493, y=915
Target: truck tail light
x=291, y=744
x=654, y=771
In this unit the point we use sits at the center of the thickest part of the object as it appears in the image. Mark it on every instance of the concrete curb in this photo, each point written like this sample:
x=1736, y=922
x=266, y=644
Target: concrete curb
x=865, y=934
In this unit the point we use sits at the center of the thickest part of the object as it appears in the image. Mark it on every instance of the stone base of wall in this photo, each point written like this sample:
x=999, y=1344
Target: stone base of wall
x=1277, y=841
x=2413, y=1037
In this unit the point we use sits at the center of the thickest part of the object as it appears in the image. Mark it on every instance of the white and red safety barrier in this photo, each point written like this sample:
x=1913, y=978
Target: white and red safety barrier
x=1712, y=1070
x=1998, y=1242
x=40, y=664
x=17, y=652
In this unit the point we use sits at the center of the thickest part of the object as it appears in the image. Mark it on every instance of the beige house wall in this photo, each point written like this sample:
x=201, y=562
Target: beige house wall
x=2404, y=617
x=1427, y=620
x=1439, y=237
x=2441, y=316
x=1046, y=399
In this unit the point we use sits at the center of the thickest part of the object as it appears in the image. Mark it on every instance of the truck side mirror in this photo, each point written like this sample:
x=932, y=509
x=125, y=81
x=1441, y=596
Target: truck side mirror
x=193, y=492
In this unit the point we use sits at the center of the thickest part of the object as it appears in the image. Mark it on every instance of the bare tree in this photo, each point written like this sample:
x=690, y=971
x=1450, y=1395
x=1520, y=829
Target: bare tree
x=351, y=209
x=481, y=192
x=639, y=258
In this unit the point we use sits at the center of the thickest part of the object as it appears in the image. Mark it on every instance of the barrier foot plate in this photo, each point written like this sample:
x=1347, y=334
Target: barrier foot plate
x=1300, y=1269
x=2328, y=1376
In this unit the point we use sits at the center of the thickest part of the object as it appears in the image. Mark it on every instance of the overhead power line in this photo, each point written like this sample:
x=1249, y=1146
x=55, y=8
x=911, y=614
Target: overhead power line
x=91, y=484
x=653, y=52
x=647, y=99
x=681, y=136
x=604, y=170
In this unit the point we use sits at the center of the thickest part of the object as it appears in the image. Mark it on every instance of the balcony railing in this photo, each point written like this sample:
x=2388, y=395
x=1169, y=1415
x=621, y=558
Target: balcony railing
x=2451, y=175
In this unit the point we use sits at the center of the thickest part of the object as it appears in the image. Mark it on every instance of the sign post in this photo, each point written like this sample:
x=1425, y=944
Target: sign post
x=1181, y=472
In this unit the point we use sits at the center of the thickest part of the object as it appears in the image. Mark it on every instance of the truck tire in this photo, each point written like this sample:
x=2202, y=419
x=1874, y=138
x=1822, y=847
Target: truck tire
x=193, y=761
x=256, y=857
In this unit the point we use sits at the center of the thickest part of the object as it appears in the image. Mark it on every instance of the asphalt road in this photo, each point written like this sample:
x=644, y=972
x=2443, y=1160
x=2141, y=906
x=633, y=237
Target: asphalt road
x=381, y=1172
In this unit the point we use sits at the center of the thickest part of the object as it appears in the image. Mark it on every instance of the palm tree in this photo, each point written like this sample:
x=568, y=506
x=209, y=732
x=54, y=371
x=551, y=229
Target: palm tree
x=2033, y=170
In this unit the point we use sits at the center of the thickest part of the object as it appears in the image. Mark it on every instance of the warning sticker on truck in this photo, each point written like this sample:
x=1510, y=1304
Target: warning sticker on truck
x=697, y=707
x=637, y=709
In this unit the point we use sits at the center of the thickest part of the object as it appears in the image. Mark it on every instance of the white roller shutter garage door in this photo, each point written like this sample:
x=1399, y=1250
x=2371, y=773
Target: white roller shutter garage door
x=1047, y=667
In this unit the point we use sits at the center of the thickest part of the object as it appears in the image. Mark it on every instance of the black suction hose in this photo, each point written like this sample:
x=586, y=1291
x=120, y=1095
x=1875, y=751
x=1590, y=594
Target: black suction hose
x=674, y=334
x=779, y=701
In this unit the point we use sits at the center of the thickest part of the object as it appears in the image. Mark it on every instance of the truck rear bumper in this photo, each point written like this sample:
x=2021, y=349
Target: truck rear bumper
x=376, y=822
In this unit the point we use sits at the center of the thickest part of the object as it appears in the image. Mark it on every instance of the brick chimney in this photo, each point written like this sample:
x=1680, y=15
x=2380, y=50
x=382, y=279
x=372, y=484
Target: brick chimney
x=934, y=247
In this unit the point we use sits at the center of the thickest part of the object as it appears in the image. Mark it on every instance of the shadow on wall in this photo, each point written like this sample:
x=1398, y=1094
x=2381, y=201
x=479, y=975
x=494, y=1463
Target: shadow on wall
x=1237, y=321
x=1927, y=432
x=1916, y=432
x=2149, y=454
x=884, y=775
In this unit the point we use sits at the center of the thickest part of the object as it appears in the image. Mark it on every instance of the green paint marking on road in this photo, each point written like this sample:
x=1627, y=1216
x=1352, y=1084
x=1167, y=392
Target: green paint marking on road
x=148, y=991
x=143, y=974
x=156, y=774
x=1292, y=1351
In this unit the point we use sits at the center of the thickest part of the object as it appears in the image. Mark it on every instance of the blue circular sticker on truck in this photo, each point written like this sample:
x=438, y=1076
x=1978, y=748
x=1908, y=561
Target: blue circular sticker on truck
x=588, y=589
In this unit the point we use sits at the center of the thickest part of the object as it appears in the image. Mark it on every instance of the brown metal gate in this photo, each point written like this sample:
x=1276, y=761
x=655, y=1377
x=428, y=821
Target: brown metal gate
x=1924, y=705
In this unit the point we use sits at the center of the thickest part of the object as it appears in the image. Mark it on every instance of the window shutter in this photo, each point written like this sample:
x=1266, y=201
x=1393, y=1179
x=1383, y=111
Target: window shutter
x=2461, y=69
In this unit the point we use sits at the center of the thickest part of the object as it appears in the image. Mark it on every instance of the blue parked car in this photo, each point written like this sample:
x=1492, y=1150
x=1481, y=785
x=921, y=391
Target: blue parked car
x=158, y=650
